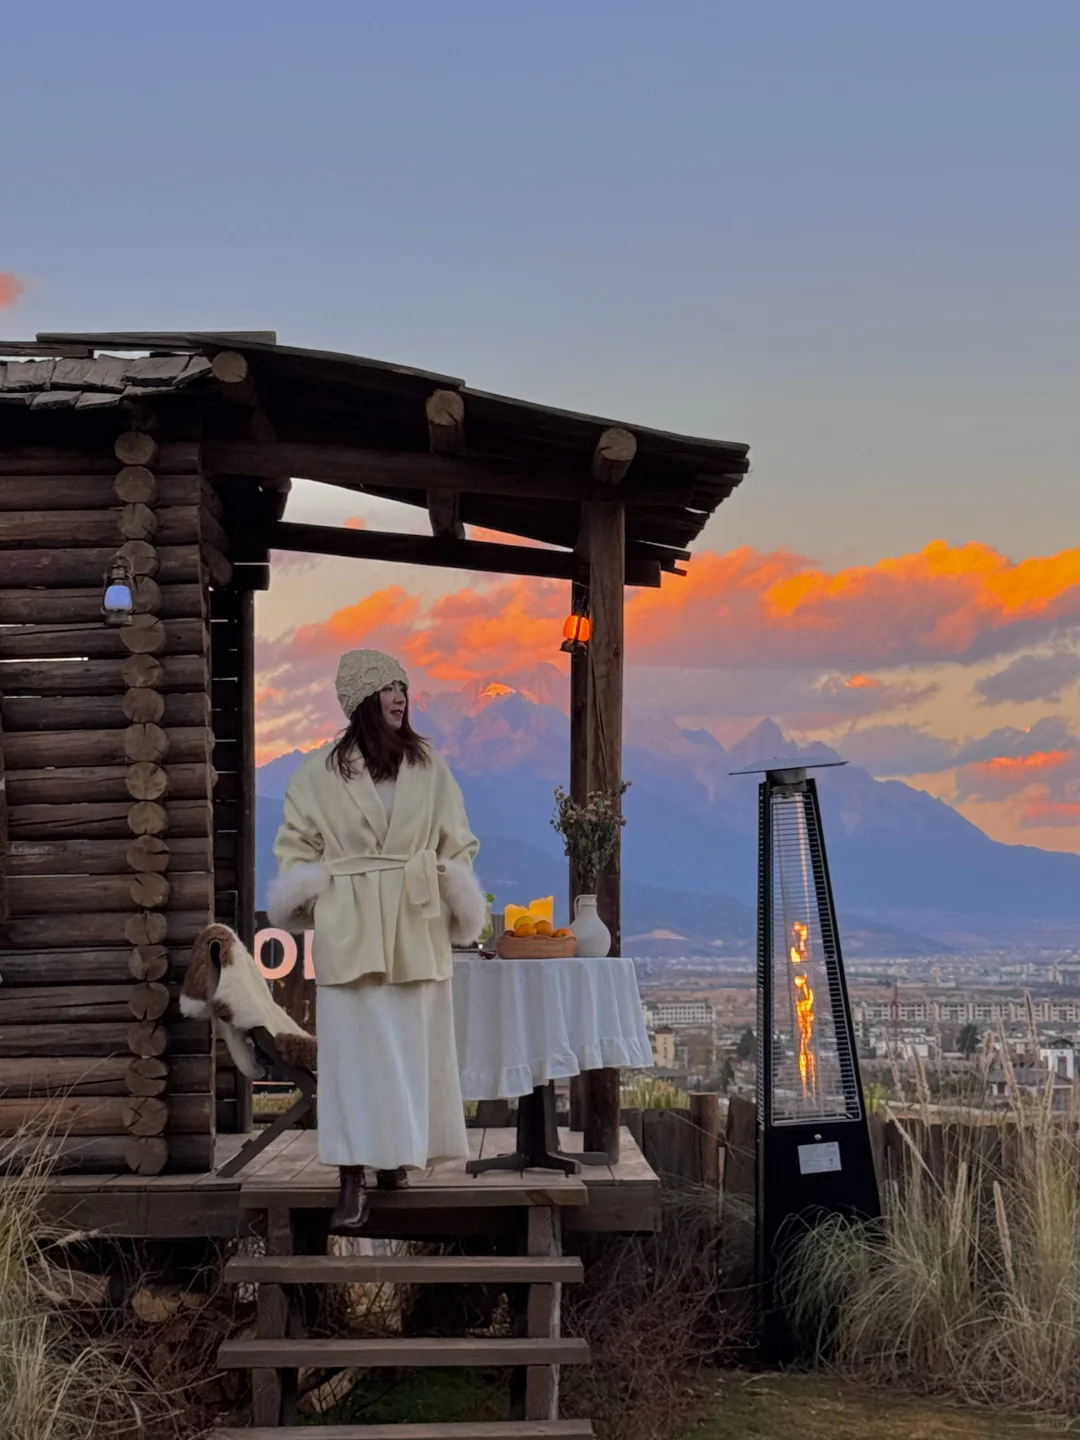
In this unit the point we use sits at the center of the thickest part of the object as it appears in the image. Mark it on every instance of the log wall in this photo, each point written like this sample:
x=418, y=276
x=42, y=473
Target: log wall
x=115, y=849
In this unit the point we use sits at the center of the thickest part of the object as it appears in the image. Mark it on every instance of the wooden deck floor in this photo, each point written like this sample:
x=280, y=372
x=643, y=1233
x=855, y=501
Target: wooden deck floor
x=616, y=1198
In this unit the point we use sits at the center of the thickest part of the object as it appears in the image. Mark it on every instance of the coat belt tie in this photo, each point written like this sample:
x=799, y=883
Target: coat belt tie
x=422, y=872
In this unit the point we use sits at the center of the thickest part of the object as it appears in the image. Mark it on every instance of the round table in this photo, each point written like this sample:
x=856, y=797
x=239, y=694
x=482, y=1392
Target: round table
x=522, y=1024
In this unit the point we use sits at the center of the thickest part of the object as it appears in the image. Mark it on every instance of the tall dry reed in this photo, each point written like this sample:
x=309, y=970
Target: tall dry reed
x=971, y=1284
x=58, y=1379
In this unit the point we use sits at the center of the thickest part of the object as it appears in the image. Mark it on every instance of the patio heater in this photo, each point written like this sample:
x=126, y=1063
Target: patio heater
x=813, y=1144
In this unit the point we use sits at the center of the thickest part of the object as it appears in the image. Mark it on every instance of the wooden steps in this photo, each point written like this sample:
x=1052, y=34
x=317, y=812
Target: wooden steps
x=404, y=1270
x=471, y=1430
x=286, y=1354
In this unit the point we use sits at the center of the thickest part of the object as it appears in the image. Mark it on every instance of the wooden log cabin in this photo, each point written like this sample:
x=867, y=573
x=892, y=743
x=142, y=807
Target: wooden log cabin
x=161, y=464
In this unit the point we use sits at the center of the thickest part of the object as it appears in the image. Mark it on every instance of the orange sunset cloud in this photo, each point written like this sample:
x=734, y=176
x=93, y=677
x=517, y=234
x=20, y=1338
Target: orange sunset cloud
x=11, y=288
x=743, y=611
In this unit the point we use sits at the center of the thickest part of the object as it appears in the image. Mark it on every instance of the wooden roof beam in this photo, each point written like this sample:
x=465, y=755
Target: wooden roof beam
x=452, y=554
x=358, y=468
x=613, y=455
x=445, y=411
x=237, y=385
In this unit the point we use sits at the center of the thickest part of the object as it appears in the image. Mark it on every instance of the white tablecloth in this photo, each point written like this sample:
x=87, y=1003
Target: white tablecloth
x=520, y=1023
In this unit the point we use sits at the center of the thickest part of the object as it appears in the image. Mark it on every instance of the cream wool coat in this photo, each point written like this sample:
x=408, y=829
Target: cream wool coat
x=386, y=900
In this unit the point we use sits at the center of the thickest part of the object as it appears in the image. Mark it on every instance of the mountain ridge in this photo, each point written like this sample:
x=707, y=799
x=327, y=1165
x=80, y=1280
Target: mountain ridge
x=900, y=858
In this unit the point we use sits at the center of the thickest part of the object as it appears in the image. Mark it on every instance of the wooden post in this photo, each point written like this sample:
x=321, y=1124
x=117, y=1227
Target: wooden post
x=603, y=1110
x=4, y=852
x=604, y=534
x=604, y=525
x=705, y=1119
x=544, y=1315
x=273, y=1391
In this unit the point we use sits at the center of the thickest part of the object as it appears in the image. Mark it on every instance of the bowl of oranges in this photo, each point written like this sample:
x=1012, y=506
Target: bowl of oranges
x=533, y=939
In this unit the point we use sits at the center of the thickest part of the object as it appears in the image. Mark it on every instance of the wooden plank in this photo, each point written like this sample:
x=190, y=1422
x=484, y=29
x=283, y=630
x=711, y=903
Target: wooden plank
x=80, y=529
x=269, y=1387
x=602, y=1108
x=604, y=532
x=461, y=1430
x=705, y=1119
x=80, y=493
x=95, y=1115
x=479, y=555
x=97, y=677
x=101, y=1076
x=104, y=928
x=99, y=641
x=103, y=857
x=5, y=857
x=98, y=967
x=44, y=1004
x=89, y=784
x=60, y=748
x=538, y=1268
x=67, y=567
x=72, y=606
x=544, y=1315
x=109, y=1152
x=357, y=468
x=90, y=1038
x=78, y=894
x=24, y=714
x=104, y=821
x=175, y=457
x=387, y=1354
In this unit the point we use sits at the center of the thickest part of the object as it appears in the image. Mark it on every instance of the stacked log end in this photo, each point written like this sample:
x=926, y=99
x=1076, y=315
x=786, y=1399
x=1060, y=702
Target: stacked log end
x=108, y=783
x=146, y=747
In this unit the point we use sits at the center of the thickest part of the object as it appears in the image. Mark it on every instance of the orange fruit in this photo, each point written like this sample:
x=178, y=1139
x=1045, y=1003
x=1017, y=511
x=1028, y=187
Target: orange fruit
x=563, y=933
x=545, y=927
x=524, y=926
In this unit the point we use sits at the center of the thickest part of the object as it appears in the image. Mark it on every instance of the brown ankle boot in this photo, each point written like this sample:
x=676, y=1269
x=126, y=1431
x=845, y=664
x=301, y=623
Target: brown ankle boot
x=353, y=1204
x=392, y=1179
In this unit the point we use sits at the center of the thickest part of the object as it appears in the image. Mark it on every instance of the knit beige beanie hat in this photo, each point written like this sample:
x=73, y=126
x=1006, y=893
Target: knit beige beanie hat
x=365, y=672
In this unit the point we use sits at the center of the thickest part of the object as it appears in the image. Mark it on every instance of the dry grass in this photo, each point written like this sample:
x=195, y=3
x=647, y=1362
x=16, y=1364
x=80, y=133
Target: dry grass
x=651, y=1308
x=821, y=1407
x=58, y=1379
x=971, y=1286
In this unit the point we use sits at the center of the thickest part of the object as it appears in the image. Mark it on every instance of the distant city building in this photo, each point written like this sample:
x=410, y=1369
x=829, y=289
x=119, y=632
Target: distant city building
x=662, y=1014
x=663, y=1048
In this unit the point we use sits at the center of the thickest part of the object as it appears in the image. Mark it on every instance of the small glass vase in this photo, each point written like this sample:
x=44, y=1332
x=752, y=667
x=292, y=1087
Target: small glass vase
x=592, y=935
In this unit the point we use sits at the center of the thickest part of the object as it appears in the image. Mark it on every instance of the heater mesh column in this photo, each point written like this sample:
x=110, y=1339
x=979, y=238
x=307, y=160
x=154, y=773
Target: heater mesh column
x=811, y=1072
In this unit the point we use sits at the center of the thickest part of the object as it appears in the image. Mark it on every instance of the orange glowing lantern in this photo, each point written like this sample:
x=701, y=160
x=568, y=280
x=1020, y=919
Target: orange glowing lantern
x=576, y=632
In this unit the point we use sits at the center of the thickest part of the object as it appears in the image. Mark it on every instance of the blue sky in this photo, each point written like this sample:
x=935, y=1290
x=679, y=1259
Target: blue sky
x=843, y=232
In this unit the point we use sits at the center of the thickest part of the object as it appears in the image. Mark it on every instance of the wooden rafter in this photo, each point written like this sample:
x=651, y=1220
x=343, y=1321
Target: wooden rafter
x=452, y=554
x=358, y=467
x=613, y=455
x=445, y=411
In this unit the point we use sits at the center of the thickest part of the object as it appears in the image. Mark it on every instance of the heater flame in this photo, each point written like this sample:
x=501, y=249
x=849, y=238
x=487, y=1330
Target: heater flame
x=804, y=1009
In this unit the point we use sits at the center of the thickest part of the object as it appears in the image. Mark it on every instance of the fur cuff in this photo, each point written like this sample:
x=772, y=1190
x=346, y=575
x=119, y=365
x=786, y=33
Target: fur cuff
x=293, y=893
x=465, y=901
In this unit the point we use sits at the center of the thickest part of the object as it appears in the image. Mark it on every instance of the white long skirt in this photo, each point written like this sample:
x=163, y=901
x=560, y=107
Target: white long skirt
x=389, y=1088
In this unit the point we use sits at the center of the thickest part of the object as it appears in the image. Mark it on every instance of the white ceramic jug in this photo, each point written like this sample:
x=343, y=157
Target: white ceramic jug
x=592, y=935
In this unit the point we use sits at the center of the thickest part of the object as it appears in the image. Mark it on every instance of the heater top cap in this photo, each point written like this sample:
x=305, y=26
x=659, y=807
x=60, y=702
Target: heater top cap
x=778, y=765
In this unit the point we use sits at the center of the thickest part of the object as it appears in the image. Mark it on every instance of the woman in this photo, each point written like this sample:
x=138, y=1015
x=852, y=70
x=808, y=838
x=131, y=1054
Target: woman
x=376, y=855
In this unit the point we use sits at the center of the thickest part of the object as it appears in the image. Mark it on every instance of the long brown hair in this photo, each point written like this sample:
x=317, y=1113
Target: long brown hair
x=369, y=738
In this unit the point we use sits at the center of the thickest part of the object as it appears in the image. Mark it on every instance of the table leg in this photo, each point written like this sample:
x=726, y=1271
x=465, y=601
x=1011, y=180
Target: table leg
x=537, y=1144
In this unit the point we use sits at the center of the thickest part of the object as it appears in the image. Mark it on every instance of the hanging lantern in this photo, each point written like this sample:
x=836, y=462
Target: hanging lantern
x=118, y=599
x=576, y=632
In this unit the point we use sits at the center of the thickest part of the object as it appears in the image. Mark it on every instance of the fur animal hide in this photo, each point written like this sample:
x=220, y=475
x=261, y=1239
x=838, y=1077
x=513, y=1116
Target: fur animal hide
x=465, y=901
x=291, y=896
x=224, y=984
